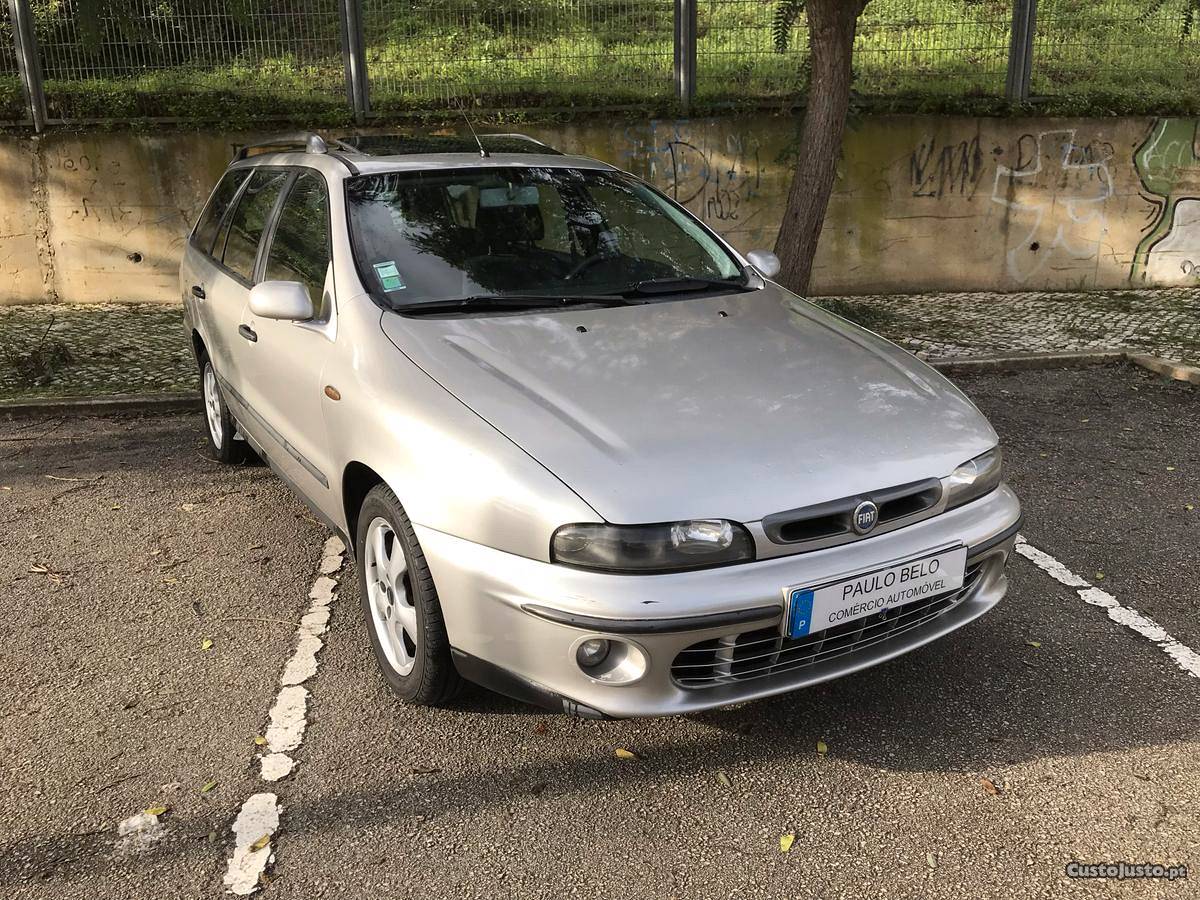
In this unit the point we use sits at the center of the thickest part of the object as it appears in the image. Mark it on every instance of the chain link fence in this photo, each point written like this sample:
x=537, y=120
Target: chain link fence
x=338, y=60
x=1148, y=47
x=903, y=48
x=188, y=59
x=439, y=54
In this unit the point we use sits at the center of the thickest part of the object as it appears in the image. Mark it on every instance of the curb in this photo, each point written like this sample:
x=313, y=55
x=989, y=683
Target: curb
x=188, y=401
x=1019, y=362
x=1167, y=367
x=184, y=401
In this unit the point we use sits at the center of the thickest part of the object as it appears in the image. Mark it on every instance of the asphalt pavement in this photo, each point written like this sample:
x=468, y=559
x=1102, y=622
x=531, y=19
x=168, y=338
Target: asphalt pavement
x=153, y=598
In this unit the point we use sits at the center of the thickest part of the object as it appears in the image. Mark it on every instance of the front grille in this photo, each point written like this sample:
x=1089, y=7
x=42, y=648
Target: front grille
x=734, y=658
x=833, y=519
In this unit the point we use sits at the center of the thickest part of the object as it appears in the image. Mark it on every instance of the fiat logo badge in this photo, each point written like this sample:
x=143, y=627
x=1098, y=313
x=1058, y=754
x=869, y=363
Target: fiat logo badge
x=865, y=518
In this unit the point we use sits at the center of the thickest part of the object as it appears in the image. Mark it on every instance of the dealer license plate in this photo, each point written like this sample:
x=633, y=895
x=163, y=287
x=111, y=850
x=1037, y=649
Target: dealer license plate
x=813, y=609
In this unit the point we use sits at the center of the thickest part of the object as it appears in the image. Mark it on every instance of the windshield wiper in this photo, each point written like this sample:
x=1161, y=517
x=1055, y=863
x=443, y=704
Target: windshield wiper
x=494, y=302
x=678, y=284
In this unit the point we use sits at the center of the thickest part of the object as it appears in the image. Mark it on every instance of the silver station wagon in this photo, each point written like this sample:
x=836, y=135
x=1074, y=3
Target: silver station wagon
x=583, y=451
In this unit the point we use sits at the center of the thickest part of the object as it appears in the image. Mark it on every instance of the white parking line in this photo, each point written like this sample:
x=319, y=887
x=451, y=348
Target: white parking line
x=258, y=820
x=1184, y=657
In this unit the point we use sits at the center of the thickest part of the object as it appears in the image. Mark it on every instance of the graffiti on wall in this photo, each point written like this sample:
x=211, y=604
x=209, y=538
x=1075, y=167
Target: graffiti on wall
x=719, y=180
x=1168, y=166
x=938, y=169
x=1055, y=195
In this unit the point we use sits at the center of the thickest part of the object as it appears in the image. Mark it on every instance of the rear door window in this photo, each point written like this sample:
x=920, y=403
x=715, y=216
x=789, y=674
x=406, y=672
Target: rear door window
x=250, y=220
x=300, y=248
x=210, y=220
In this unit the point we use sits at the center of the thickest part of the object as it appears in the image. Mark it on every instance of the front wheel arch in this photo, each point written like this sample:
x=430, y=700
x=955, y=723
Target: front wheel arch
x=357, y=480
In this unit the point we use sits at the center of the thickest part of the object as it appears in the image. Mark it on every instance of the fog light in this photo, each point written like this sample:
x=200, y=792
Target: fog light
x=592, y=652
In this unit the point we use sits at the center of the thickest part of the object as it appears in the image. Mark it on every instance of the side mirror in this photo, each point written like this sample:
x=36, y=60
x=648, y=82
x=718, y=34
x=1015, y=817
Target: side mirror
x=765, y=261
x=287, y=300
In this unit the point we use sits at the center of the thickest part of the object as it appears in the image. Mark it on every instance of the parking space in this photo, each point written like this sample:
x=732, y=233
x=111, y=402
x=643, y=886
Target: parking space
x=137, y=551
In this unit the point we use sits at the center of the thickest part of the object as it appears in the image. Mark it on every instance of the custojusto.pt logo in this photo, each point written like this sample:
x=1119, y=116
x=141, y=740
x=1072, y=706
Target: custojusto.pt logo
x=1121, y=871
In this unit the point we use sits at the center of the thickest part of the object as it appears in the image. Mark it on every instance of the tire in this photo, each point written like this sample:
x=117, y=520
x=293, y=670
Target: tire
x=400, y=604
x=219, y=425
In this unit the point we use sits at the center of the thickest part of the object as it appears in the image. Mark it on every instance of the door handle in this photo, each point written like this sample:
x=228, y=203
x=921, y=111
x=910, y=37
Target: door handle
x=198, y=292
x=248, y=333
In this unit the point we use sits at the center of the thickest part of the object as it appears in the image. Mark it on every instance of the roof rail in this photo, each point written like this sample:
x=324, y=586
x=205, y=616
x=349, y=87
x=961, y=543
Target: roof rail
x=417, y=144
x=308, y=141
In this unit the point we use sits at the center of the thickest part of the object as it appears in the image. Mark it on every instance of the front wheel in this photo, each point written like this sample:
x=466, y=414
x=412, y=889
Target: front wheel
x=222, y=442
x=400, y=604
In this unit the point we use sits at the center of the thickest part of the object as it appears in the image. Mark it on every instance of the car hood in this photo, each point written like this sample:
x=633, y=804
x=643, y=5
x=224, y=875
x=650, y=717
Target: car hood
x=734, y=406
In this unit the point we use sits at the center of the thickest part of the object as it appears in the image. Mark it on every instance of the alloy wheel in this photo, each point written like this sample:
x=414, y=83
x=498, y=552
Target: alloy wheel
x=390, y=597
x=212, y=405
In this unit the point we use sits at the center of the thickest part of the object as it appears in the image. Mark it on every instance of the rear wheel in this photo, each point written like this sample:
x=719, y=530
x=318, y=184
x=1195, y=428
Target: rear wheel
x=221, y=429
x=400, y=604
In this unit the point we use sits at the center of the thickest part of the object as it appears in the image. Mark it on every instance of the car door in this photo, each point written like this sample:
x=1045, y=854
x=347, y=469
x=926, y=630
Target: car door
x=285, y=364
x=214, y=309
x=236, y=253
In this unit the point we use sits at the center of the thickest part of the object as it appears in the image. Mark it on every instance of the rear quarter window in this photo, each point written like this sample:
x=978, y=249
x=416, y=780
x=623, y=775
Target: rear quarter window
x=214, y=211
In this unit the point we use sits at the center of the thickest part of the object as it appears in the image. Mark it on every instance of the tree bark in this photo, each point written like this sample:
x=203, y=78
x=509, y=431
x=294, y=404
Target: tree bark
x=831, y=28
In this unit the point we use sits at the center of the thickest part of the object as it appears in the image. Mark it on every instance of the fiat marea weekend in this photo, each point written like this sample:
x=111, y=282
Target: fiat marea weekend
x=582, y=451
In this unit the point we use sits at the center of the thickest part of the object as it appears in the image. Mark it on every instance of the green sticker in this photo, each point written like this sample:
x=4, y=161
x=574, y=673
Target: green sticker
x=389, y=276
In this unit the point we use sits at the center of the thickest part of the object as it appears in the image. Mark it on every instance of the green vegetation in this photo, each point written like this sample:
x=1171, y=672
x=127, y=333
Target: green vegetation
x=137, y=59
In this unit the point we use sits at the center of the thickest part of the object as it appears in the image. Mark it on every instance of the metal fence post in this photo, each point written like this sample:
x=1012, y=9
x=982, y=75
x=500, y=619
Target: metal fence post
x=354, y=58
x=685, y=52
x=29, y=63
x=1020, y=50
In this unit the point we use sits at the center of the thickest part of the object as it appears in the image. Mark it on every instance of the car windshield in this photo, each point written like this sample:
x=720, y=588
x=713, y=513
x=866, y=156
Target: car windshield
x=436, y=236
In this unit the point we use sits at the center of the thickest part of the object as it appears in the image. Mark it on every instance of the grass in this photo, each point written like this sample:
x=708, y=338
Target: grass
x=1093, y=56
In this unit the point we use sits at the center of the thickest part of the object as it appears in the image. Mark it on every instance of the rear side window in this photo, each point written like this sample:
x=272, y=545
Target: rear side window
x=250, y=219
x=300, y=247
x=214, y=212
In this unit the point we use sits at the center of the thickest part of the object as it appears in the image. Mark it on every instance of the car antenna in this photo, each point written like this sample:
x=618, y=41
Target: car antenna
x=482, y=152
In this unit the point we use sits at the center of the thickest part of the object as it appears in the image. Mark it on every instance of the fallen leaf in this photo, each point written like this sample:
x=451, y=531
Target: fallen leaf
x=187, y=507
x=115, y=506
x=1034, y=644
x=208, y=786
x=622, y=753
x=170, y=581
x=206, y=644
x=1099, y=576
x=822, y=747
x=1170, y=468
x=723, y=780
x=261, y=842
x=990, y=786
x=539, y=728
x=786, y=841
x=260, y=740
x=1189, y=506
x=930, y=859
x=156, y=552
x=5, y=487
x=156, y=810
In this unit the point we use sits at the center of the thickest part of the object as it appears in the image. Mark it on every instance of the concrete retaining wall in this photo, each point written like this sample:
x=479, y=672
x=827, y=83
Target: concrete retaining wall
x=921, y=203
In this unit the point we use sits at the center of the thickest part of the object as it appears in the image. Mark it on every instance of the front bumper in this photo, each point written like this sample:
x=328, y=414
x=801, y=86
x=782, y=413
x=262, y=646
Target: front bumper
x=514, y=621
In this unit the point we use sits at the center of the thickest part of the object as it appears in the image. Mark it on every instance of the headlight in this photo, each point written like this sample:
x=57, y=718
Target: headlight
x=646, y=549
x=973, y=479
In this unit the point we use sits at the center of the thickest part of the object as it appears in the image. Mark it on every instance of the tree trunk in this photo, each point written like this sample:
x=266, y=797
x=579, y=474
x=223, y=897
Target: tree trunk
x=831, y=27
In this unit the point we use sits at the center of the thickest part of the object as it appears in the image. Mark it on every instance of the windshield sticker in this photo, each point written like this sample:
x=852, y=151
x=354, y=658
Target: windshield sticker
x=389, y=276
